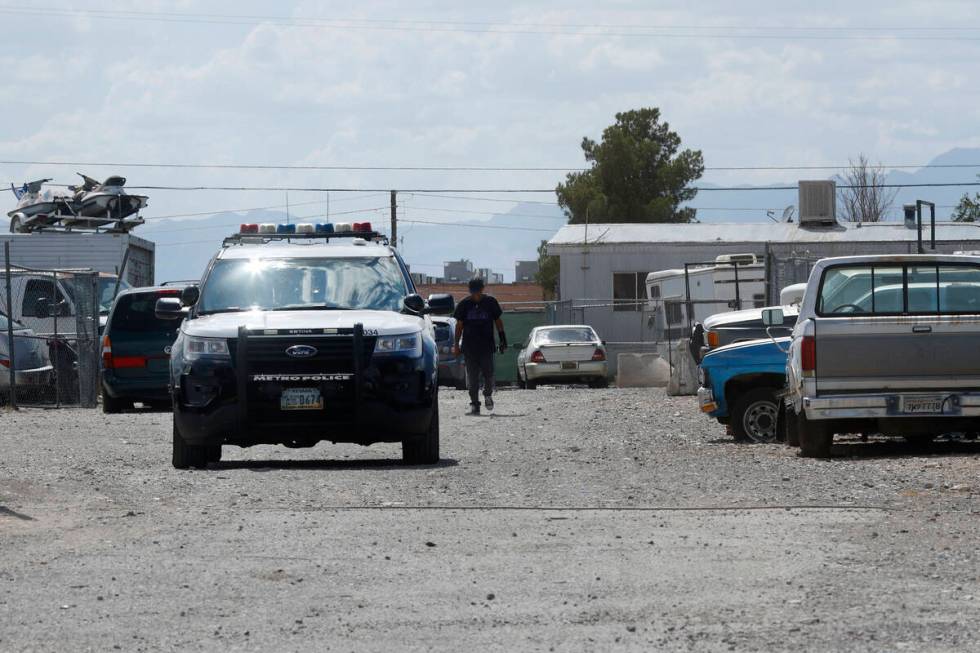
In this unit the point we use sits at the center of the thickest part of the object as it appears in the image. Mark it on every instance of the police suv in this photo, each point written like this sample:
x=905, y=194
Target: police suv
x=300, y=334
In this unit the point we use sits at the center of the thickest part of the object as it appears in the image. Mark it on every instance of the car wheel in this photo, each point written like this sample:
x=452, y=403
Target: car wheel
x=816, y=438
x=599, y=383
x=424, y=450
x=919, y=438
x=112, y=405
x=187, y=455
x=792, y=428
x=755, y=416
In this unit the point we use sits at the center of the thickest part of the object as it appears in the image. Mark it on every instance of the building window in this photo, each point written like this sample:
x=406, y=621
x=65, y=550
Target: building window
x=674, y=311
x=629, y=290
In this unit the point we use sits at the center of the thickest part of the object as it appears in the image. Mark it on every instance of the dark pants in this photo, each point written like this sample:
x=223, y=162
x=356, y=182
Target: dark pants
x=477, y=363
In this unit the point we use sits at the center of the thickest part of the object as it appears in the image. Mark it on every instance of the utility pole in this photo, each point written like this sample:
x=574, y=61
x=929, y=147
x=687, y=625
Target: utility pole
x=394, y=218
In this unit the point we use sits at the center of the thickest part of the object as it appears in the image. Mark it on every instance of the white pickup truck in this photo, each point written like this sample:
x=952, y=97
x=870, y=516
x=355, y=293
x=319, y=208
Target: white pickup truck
x=884, y=344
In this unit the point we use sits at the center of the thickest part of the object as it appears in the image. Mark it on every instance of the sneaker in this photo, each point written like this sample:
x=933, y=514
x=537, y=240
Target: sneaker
x=474, y=409
x=488, y=402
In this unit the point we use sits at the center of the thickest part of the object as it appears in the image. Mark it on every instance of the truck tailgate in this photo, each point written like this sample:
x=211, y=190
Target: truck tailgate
x=902, y=353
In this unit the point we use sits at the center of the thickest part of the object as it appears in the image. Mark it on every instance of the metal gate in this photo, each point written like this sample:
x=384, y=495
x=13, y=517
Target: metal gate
x=49, y=335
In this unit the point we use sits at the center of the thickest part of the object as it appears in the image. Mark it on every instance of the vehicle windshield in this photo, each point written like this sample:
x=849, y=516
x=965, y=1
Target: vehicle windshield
x=135, y=315
x=374, y=283
x=568, y=334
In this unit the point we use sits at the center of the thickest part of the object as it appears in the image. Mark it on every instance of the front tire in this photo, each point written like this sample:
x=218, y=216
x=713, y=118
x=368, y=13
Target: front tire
x=424, y=450
x=188, y=455
x=816, y=438
x=755, y=416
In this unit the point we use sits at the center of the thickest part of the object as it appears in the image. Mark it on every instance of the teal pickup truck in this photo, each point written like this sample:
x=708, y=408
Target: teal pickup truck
x=740, y=386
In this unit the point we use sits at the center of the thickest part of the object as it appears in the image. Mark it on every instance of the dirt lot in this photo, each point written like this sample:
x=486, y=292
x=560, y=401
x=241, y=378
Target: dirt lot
x=570, y=520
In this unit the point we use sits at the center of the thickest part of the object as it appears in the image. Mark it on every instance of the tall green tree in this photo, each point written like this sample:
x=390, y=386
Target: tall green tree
x=548, y=270
x=638, y=174
x=967, y=209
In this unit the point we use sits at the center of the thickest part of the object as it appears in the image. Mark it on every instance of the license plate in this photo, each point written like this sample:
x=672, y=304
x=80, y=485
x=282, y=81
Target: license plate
x=926, y=405
x=301, y=399
x=569, y=365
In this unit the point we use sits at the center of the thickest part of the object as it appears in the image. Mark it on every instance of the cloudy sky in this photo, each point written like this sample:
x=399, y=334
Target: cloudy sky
x=491, y=84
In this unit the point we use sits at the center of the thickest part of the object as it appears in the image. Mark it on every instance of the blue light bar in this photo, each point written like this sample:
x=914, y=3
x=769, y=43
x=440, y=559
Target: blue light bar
x=286, y=229
x=324, y=228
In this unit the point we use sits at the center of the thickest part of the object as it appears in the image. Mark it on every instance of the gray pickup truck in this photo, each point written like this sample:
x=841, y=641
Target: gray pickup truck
x=884, y=344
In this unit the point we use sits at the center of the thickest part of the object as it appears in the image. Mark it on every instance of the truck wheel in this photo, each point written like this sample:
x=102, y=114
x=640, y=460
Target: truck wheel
x=815, y=438
x=111, y=405
x=213, y=453
x=424, y=450
x=187, y=455
x=755, y=416
x=792, y=428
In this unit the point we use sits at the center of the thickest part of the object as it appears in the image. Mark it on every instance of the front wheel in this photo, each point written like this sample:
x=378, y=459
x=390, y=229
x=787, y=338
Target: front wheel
x=188, y=455
x=424, y=449
x=755, y=416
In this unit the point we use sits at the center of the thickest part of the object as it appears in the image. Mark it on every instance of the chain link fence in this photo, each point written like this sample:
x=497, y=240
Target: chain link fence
x=49, y=335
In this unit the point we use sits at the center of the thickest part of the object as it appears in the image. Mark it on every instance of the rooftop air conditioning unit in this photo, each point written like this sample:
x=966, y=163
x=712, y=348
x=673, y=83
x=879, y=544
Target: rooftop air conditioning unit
x=740, y=259
x=818, y=202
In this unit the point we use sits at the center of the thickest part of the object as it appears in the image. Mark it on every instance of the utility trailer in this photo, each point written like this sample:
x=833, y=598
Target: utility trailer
x=97, y=251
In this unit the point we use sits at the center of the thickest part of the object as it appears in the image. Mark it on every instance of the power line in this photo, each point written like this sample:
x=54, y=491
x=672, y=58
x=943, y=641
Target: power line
x=447, y=168
x=543, y=29
x=320, y=168
x=473, y=225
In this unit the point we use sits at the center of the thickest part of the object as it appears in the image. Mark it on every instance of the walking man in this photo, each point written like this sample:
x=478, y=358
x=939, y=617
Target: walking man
x=476, y=316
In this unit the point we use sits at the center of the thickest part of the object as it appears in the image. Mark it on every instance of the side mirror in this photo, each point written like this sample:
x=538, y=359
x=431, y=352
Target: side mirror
x=42, y=308
x=169, y=308
x=772, y=317
x=190, y=295
x=414, y=304
x=441, y=304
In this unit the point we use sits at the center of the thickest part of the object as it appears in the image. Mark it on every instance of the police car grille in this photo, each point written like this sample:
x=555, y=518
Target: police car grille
x=267, y=355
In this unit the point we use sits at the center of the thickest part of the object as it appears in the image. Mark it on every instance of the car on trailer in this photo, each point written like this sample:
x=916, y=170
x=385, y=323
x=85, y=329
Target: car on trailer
x=301, y=334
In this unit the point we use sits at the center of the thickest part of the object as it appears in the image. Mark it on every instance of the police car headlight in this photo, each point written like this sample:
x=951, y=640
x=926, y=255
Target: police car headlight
x=403, y=344
x=195, y=348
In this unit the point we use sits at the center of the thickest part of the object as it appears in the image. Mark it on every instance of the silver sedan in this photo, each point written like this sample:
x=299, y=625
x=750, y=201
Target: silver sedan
x=30, y=361
x=570, y=353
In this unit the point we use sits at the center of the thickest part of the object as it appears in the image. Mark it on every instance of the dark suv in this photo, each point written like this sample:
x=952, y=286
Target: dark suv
x=136, y=350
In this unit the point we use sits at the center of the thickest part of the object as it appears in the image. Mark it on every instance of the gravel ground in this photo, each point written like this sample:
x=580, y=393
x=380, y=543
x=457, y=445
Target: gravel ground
x=570, y=520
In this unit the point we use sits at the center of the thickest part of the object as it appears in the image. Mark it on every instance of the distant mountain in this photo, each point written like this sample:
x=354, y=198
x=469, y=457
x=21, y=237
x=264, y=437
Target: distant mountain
x=184, y=247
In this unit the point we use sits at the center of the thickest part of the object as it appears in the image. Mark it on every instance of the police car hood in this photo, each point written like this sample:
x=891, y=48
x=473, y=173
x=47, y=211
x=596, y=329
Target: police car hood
x=225, y=325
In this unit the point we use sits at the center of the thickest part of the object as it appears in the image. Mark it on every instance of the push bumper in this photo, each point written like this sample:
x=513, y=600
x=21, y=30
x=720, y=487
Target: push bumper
x=395, y=399
x=558, y=370
x=937, y=405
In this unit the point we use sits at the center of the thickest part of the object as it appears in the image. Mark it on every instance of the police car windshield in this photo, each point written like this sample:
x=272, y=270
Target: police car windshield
x=303, y=284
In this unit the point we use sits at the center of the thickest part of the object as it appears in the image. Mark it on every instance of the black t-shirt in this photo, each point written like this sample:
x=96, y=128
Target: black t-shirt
x=478, y=318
